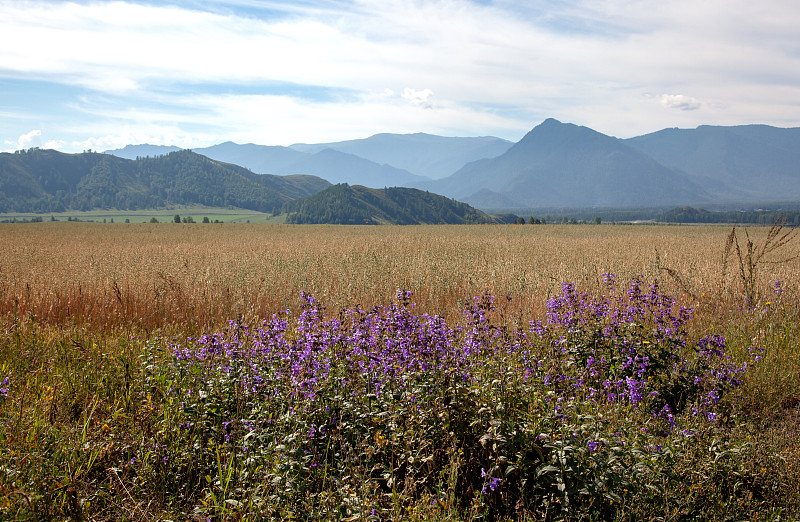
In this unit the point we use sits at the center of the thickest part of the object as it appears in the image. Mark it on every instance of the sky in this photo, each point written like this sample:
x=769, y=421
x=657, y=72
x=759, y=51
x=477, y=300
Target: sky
x=101, y=75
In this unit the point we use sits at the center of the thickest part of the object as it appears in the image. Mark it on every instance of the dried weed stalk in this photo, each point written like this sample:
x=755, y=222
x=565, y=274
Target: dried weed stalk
x=750, y=255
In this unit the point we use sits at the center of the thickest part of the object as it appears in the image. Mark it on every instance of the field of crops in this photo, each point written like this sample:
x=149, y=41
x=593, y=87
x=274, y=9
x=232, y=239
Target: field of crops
x=256, y=372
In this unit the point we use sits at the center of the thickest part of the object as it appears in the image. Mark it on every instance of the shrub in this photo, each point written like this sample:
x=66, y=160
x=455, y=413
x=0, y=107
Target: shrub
x=377, y=411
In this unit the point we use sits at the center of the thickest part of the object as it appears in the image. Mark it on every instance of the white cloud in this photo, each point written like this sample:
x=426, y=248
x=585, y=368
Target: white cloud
x=501, y=65
x=423, y=98
x=157, y=135
x=283, y=120
x=30, y=139
x=25, y=141
x=53, y=144
x=679, y=101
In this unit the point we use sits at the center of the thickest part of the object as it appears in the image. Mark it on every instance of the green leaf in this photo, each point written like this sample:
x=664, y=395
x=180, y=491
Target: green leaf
x=546, y=469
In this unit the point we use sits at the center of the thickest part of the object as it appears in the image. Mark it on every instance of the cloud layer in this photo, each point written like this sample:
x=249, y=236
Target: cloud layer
x=277, y=72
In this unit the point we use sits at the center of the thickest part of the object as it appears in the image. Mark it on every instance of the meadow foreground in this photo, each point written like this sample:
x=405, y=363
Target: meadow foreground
x=393, y=373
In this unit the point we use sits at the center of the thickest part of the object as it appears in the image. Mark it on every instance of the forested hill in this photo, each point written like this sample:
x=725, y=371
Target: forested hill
x=356, y=205
x=50, y=181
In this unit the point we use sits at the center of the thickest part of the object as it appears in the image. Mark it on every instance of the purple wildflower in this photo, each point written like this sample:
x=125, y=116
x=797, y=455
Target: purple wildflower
x=490, y=484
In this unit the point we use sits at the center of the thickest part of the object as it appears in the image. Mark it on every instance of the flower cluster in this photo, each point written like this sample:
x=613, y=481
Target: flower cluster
x=633, y=347
x=305, y=401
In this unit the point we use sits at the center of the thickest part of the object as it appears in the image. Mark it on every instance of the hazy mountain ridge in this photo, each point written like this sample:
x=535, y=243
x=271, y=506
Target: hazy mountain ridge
x=142, y=151
x=50, y=181
x=341, y=167
x=378, y=161
x=561, y=164
x=423, y=154
x=556, y=164
x=262, y=159
x=746, y=162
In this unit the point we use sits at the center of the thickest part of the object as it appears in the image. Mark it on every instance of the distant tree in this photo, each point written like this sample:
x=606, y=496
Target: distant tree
x=520, y=221
x=598, y=220
x=153, y=220
x=177, y=218
x=188, y=219
x=206, y=220
x=112, y=220
x=127, y=220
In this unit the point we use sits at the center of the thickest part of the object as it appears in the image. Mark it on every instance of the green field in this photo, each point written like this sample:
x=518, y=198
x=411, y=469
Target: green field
x=237, y=215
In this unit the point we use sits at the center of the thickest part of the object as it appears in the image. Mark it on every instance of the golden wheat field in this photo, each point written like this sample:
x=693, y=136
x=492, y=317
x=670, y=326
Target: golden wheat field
x=199, y=276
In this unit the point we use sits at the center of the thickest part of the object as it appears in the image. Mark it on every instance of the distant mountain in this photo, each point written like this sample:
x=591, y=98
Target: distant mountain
x=555, y=165
x=258, y=158
x=561, y=164
x=741, y=163
x=486, y=198
x=51, y=181
x=423, y=154
x=357, y=205
x=326, y=163
x=142, y=151
x=340, y=167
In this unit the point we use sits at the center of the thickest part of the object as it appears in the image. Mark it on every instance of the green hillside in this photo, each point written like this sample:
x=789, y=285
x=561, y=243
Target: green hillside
x=50, y=181
x=357, y=205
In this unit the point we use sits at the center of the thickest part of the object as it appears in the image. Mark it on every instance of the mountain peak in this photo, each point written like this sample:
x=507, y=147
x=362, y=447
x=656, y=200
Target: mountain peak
x=550, y=122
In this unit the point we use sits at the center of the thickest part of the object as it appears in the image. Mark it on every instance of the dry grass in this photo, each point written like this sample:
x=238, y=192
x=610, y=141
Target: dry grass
x=199, y=276
x=72, y=294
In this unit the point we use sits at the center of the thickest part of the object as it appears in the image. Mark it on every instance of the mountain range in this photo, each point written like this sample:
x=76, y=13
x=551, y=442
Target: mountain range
x=559, y=164
x=381, y=160
x=742, y=163
x=45, y=181
x=555, y=165
x=423, y=154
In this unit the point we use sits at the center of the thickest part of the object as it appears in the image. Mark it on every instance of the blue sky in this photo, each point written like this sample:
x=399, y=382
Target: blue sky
x=101, y=75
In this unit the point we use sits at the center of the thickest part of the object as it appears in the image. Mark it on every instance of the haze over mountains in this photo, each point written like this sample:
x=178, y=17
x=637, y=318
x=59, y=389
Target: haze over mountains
x=379, y=161
x=423, y=154
x=555, y=164
x=559, y=164
x=742, y=163
x=48, y=181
